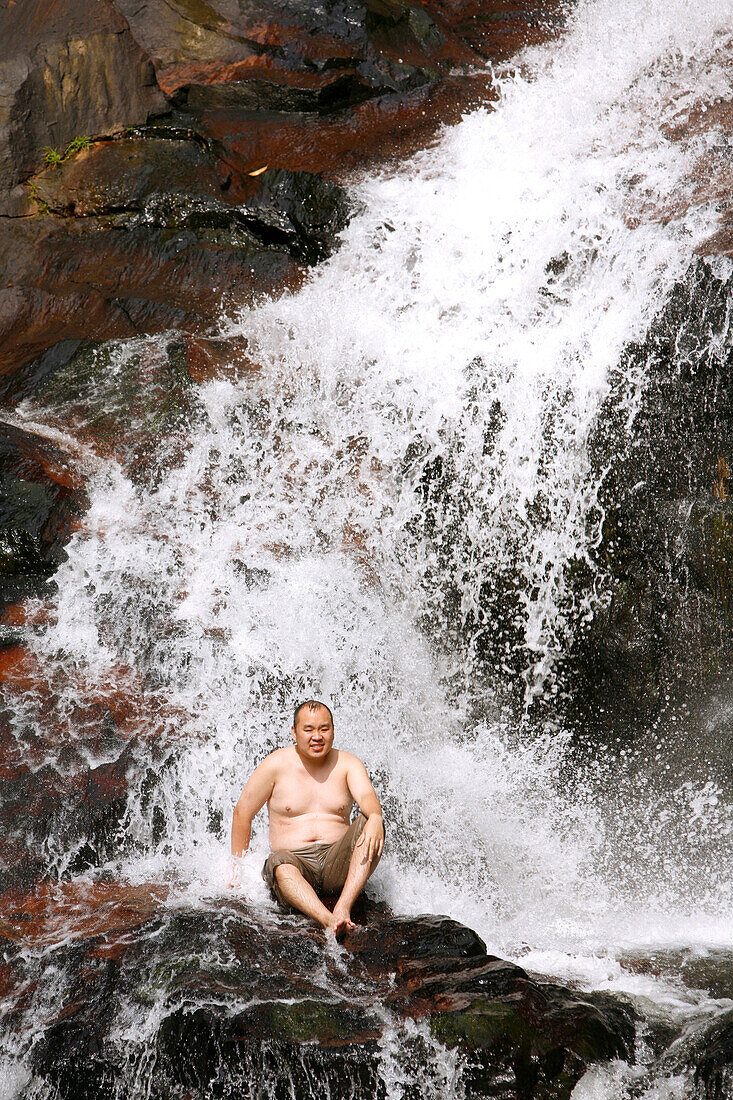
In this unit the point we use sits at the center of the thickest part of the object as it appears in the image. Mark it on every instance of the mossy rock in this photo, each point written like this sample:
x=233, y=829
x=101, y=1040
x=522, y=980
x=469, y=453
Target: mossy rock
x=483, y=1025
x=309, y=1021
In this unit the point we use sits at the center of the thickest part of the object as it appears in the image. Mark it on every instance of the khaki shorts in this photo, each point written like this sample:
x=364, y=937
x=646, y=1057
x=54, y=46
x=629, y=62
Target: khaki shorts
x=324, y=866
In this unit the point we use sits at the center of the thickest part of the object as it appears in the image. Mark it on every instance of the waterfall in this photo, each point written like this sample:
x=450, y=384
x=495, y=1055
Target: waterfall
x=388, y=512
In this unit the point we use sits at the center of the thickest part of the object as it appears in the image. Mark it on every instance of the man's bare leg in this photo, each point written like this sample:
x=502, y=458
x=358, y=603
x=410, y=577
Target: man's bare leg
x=301, y=895
x=360, y=868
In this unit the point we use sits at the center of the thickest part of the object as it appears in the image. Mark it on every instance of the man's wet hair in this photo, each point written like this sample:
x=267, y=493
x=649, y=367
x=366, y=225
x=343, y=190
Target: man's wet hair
x=311, y=704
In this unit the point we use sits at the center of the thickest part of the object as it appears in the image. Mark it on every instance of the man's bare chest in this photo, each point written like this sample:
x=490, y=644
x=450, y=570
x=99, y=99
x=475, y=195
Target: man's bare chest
x=295, y=794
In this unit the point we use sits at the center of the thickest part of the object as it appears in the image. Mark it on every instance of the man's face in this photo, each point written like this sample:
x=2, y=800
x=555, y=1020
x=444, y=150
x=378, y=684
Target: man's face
x=313, y=734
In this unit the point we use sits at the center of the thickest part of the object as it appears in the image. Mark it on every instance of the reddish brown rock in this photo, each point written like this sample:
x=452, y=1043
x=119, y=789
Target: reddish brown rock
x=152, y=231
x=394, y=124
x=293, y=45
x=498, y=28
x=83, y=907
x=94, y=279
x=67, y=68
x=219, y=357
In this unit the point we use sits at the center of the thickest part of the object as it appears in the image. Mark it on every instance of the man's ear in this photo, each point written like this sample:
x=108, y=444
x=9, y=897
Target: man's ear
x=292, y=730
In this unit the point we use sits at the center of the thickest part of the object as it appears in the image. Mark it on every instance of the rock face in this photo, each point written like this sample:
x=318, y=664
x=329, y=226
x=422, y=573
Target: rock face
x=143, y=260
x=667, y=549
x=67, y=68
x=701, y=1059
x=158, y=159
x=41, y=498
x=238, y=990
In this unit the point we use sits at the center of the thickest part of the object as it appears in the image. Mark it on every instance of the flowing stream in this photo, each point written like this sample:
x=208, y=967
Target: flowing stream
x=387, y=514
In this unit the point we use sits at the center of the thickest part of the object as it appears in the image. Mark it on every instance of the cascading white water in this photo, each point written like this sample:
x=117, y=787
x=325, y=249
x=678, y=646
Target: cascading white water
x=413, y=452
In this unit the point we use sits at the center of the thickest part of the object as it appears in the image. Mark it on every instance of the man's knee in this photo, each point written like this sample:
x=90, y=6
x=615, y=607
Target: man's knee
x=285, y=871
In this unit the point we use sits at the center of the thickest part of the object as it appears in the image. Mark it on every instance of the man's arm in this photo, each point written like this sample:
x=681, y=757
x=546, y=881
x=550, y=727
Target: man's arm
x=256, y=792
x=363, y=793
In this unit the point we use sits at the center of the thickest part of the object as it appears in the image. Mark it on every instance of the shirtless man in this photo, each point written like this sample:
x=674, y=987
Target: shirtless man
x=310, y=788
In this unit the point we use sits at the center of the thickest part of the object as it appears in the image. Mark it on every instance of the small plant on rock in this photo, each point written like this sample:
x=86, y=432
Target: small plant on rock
x=53, y=157
x=43, y=207
x=75, y=146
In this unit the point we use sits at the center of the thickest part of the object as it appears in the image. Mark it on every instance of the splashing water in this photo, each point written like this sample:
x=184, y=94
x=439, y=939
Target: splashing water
x=387, y=514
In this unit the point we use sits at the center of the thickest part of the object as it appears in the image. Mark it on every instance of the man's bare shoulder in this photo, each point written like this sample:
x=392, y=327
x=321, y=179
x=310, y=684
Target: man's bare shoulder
x=348, y=760
x=282, y=758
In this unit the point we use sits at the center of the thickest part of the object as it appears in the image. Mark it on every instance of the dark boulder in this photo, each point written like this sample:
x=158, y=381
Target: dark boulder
x=242, y=992
x=711, y=1059
x=703, y=1057
x=665, y=562
x=41, y=500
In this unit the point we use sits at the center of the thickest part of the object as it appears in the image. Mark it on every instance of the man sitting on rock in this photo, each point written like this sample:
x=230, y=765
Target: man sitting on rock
x=310, y=788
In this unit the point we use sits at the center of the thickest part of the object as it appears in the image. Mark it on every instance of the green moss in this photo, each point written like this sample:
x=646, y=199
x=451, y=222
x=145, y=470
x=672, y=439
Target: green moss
x=482, y=1024
x=308, y=1021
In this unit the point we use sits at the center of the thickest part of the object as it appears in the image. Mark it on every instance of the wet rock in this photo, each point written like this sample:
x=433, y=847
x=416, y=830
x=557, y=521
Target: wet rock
x=703, y=1057
x=119, y=176
x=166, y=175
x=664, y=633
x=712, y=1059
x=134, y=401
x=220, y=201
x=67, y=69
x=303, y=211
x=243, y=991
x=41, y=500
x=214, y=357
x=498, y=28
x=105, y=278
x=160, y=255
x=74, y=754
x=710, y=970
x=140, y=235
x=71, y=798
x=283, y=43
x=492, y=1008
x=336, y=143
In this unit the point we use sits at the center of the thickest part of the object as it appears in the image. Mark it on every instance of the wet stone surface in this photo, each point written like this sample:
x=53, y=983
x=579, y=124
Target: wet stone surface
x=201, y=155
x=41, y=499
x=662, y=633
x=231, y=986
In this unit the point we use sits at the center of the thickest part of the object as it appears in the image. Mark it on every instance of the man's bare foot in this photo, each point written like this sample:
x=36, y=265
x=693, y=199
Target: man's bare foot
x=339, y=924
x=343, y=917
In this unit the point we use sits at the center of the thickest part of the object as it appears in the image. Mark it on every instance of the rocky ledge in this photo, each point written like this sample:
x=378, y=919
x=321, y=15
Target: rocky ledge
x=158, y=159
x=214, y=992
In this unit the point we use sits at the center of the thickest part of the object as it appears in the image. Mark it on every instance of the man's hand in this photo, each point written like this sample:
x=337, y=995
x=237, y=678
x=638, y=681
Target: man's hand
x=371, y=840
x=235, y=878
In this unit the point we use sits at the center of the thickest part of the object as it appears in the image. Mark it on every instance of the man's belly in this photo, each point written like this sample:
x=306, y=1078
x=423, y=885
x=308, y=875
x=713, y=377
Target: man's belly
x=294, y=832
